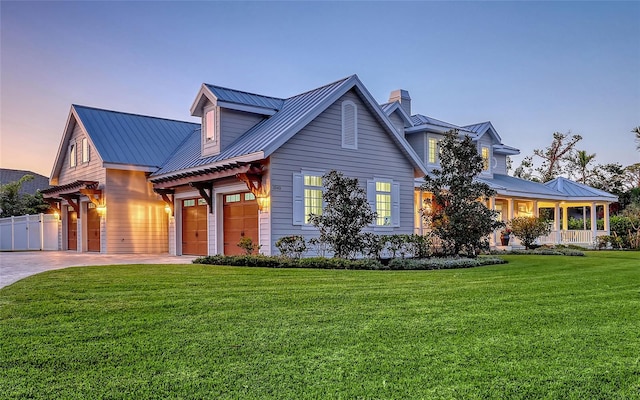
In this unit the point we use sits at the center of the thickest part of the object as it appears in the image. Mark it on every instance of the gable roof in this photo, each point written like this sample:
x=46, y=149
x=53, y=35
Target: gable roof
x=575, y=189
x=126, y=139
x=419, y=119
x=245, y=98
x=484, y=127
x=394, y=106
x=268, y=135
x=516, y=186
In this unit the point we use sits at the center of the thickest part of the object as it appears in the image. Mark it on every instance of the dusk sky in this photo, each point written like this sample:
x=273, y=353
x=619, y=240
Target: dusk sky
x=530, y=68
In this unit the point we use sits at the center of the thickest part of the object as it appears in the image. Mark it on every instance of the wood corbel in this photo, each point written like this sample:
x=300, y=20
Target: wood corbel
x=54, y=204
x=206, y=191
x=90, y=193
x=74, y=202
x=167, y=196
x=253, y=182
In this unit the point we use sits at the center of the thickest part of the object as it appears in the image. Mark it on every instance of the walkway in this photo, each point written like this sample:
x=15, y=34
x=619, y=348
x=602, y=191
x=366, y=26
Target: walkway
x=18, y=265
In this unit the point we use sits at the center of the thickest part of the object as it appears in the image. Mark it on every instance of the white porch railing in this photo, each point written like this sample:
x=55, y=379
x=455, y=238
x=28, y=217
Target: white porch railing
x=570, y=237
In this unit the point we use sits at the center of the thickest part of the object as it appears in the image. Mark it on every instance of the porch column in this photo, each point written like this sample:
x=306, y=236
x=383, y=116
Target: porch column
x=607, y=227
x=536, y=212
x=556, y=222
x=594, y=225
x=492, y=207
x=565, y=218
x=510, y=212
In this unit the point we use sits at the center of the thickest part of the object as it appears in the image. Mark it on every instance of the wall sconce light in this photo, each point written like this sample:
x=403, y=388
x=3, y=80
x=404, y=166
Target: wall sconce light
x=263, y=202
x=168, y=209
x=101, y=209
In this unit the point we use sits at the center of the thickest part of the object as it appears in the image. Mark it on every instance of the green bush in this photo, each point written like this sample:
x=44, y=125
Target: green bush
x=442, y=263
x=542, y=251
x=291, y=246
x=341, y=263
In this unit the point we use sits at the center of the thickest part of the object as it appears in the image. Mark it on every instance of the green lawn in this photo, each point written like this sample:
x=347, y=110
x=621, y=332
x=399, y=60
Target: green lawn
x=538, y=327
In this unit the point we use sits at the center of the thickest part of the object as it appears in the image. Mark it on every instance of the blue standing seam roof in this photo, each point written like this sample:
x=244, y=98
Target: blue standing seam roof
x=575, y=189
x=131, y=139
x=419, y=119
x=511, y=183
x=478, y=128
x=246, y=98
x=259, y=138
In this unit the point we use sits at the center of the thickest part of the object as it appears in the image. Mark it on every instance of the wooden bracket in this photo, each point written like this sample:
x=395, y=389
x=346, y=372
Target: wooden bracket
x=167, y=196
x=54, y=204
x=74, y=202
x=206, y=191
x=90, y=193
x=253, y=182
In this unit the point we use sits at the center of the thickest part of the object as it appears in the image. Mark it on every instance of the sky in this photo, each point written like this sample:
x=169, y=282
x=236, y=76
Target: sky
x=531, y=68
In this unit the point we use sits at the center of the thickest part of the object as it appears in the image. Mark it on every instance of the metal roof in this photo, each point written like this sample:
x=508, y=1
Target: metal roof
x=419, y=119
x=508, y=183
x=478, y=128
x=131, y=139
x=575, y=189
x=261, y=137
x=246, y=98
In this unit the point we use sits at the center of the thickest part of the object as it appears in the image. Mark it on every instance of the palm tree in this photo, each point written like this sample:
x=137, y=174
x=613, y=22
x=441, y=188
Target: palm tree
x=636, y=130
x=581, y=162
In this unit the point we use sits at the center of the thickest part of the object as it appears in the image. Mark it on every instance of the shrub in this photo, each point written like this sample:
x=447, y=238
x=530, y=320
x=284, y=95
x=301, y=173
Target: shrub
x=442, y=263
x=246, y=244
x=291, y=246
x=528, y=229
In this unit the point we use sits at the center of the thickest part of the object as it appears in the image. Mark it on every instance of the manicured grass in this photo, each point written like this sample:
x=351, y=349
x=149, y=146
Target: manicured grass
x=538, y=327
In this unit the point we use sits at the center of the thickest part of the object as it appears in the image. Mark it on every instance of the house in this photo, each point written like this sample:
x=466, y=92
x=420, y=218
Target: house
x=39, y=182
x=252, y=168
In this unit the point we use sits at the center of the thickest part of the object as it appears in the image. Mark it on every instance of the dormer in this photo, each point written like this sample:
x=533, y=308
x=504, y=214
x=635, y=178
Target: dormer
x=494, y=153
x=227, y=114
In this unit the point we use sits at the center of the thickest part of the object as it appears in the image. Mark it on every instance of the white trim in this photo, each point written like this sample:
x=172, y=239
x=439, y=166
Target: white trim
x=247, y=108
x=129, y=167
x=196, y=107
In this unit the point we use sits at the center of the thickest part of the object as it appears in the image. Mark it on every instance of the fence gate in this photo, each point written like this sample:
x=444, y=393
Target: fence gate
x=29, y=232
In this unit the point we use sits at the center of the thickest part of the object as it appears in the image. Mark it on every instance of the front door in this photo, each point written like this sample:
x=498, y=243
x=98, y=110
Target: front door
x=240, y=211
x=194, y=227
x=72, y=229
x=93, y=228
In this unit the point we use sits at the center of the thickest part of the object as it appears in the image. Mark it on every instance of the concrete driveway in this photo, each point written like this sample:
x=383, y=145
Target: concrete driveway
x=17, y=265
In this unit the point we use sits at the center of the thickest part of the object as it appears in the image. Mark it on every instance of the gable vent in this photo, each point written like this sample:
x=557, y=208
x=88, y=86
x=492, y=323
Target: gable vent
x=349, y=125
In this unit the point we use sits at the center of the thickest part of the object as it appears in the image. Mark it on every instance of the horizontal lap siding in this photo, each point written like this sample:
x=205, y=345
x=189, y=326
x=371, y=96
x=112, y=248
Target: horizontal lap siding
x=502, y=164
x=136, y=218
x=416, y=140
x=319, y=147
x=235, y=123
x=91, y=171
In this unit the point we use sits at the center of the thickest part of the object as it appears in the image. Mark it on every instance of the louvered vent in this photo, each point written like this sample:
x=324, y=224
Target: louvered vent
x=349, y=125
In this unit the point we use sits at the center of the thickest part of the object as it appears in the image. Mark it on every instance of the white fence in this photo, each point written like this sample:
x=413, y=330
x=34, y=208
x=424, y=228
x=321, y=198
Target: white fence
x=29, y=232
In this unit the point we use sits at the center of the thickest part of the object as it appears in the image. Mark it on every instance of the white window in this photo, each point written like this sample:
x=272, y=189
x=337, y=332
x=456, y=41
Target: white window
x=485, y=158
x=85, y=150
x=210, y=125
x=384, y=197
x=349, y=125
x=307, y=197
x=72, y=155
x=433, y=157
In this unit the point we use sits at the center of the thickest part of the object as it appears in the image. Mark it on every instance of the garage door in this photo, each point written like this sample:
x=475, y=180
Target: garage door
x=240, y=212
x=93, y=228
x=194, y=227
x=72, y=229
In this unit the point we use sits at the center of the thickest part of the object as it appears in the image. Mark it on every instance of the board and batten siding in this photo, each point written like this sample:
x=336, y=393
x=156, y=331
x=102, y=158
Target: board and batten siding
x=318, y=147
x=233, y=124
x=136, y=218
x=90, y=171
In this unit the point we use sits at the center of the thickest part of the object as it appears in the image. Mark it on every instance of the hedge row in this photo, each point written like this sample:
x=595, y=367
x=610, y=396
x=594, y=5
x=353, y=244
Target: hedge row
x=338, y=263
x=541, y=252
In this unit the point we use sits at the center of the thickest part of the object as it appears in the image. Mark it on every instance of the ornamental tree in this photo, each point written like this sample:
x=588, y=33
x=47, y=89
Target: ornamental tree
x=344, y=214
x=458, y=216
x=528, y=229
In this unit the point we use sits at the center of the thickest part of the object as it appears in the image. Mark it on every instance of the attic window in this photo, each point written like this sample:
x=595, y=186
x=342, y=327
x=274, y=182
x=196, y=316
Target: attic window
x=349, y=125
x=72, y=156
x=485, y=158
x=85, y=150
x=210, y=125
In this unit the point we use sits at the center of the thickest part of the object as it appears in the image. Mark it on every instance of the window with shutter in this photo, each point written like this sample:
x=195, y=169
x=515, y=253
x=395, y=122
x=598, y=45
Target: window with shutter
x=72, y=155
x=307, y=197
x=210, y=125
x=85, y=150
x=349, y=125
x=384, y=197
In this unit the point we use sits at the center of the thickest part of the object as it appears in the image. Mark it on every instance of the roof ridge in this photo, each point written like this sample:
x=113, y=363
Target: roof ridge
x=322, y=87
x=134, y=114
x=244, y=91
x=477, y=123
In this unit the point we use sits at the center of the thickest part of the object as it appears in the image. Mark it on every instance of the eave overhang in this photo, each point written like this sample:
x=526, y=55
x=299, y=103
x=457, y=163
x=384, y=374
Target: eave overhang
x=72, y=188
x=206, y=174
